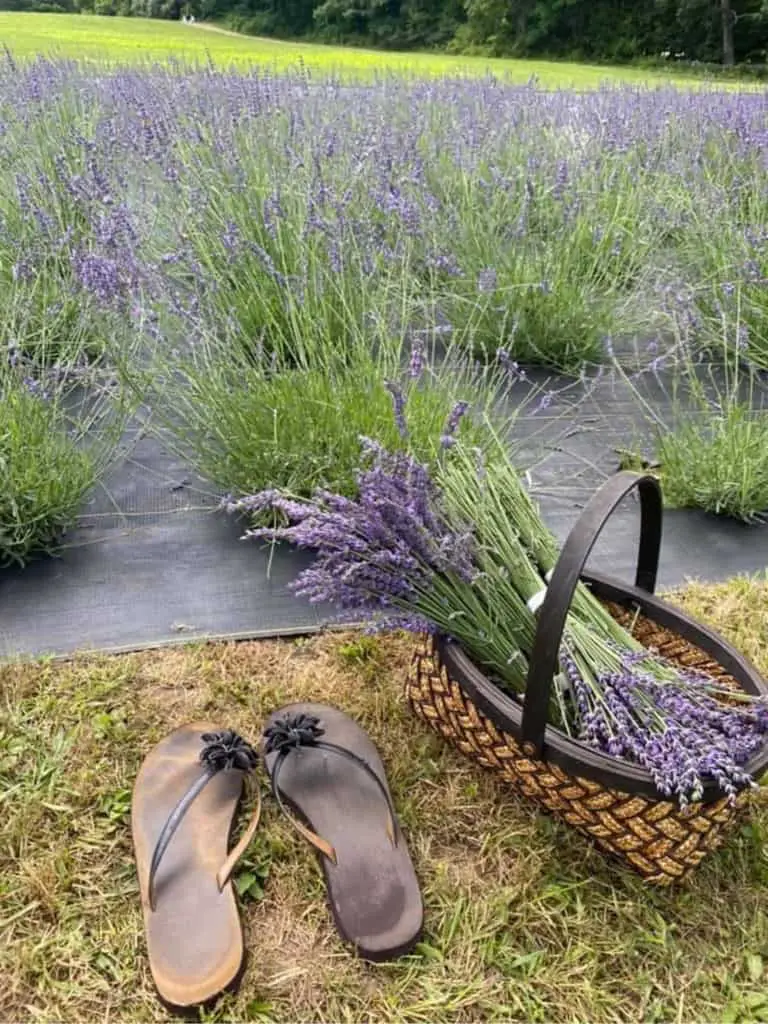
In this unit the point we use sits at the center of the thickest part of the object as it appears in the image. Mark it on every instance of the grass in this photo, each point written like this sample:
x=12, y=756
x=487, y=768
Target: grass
x=524, y=919
x=132, y=40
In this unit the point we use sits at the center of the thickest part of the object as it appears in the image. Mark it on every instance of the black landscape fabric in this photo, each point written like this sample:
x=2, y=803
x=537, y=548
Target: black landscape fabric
x=151, y=560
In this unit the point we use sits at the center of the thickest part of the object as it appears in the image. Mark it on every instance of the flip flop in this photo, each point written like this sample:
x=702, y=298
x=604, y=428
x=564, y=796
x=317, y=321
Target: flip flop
x=326, y=769
x=184, y=803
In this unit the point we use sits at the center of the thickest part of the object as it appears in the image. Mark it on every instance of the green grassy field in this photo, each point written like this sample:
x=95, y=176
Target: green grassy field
x=139, y=39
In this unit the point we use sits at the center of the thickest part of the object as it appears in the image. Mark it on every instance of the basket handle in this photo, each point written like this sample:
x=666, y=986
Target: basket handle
x=565, y=578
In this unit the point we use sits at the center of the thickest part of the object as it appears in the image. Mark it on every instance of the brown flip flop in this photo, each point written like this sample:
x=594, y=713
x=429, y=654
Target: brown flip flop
x=184, y=804
x=326, y=769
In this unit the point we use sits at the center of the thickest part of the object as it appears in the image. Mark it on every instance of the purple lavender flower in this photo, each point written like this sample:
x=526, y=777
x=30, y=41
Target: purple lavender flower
x=457, y=413
x=230, y=239
x=23, y=270
x=22, y=193
x=267, y=262
x=378, y=551
x=334, y=255
x=561, y=179
x=487, y=281
x=401, y=622
x=99, y=275
x=543, y=403
x=36, y=388
x=446, y=263
x=416, y=364
x=272, y=212
x=752, y=270
x=251, y=504
x=673, y=727
x=398, y=405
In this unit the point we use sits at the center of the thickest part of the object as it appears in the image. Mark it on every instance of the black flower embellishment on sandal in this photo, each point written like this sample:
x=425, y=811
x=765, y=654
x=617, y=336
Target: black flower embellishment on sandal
x=225, y=751
x=292, y=731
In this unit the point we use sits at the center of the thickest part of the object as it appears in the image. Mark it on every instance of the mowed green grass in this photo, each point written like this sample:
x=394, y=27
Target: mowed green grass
x=133, y=40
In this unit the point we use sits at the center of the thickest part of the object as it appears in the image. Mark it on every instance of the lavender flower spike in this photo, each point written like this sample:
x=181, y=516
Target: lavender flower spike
x=398, y=405
x=416, y=366
x=448, y=438
x=487, y=281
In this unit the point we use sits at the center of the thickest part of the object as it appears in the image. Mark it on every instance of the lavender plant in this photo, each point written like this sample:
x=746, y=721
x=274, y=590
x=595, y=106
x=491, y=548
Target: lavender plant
x=250, y=422
x=708, y=438
x=233, y=216
x=460, y=550
x=70, y=273
x=285, y=213
x=726, y=247
x=553, y=233
x=69, y=268
x=56, y=443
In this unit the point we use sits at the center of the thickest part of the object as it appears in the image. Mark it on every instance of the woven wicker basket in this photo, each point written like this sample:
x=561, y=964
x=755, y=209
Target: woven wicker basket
x=612, y=801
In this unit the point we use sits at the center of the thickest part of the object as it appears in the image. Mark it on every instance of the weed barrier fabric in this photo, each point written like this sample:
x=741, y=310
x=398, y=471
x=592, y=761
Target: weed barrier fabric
x=152, y=562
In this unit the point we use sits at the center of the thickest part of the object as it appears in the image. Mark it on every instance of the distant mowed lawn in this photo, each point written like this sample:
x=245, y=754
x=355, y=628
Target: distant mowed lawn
x=139, y=39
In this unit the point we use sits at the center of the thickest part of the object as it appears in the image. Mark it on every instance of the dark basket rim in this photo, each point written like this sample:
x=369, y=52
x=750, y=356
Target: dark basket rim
x=575, y=757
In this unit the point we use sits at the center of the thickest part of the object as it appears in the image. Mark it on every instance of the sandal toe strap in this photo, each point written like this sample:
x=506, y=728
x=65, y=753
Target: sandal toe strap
x=288, y=735
x=222, y=752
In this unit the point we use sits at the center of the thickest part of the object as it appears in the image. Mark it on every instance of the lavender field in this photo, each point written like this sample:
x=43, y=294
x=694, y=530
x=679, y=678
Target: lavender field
x=251, y=258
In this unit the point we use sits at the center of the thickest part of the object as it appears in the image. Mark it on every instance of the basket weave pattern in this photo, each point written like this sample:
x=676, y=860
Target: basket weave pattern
x=657, y=838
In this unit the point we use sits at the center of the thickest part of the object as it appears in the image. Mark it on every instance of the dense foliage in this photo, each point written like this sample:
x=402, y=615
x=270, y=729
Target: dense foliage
x=710, y=31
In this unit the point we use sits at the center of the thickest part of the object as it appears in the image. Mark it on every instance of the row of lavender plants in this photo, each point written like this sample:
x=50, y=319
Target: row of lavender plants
x=256, y=256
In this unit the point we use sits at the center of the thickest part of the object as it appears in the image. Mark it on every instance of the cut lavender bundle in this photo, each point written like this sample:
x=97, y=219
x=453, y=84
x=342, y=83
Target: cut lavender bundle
x=674, y=728
x=463, y=553
x=383, y=550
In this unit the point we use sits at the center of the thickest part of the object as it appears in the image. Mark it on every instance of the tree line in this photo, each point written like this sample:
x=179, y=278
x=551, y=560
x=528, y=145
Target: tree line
x=706, y=31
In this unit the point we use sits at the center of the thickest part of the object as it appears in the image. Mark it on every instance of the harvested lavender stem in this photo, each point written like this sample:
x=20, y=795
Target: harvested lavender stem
x=377, y=549
x=390, y=552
